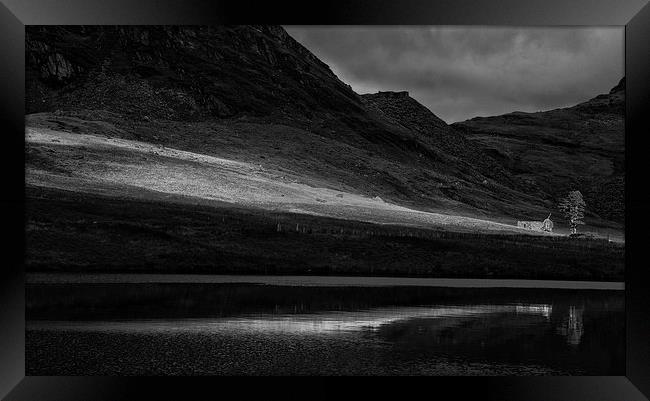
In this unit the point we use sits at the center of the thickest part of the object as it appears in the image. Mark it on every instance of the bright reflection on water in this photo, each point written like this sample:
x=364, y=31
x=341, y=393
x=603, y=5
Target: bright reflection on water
x=314, y=323
x=369, y=319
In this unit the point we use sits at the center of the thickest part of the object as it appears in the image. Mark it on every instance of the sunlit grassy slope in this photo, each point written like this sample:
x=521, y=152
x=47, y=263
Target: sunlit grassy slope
x=96, y=203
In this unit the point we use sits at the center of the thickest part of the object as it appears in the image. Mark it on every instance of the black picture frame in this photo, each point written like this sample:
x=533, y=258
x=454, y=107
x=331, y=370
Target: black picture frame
x=633, y=14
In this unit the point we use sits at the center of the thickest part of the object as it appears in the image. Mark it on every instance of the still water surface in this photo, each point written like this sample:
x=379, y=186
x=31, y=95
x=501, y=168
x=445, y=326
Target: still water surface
x=185, y=327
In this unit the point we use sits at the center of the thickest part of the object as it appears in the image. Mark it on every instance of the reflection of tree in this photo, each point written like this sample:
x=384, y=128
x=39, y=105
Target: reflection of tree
x=571, y=326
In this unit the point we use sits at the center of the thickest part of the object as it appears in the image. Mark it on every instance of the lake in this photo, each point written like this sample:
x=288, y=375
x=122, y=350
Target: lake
x=206, y=325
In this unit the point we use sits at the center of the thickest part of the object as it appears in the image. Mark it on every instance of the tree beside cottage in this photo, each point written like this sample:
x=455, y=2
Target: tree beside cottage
x=573, y=208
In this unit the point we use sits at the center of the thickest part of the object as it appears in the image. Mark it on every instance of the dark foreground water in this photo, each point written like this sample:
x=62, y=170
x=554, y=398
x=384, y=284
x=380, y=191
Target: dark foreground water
x=148, y=327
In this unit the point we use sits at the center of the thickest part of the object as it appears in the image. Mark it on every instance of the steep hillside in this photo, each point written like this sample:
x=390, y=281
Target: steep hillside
x=580, y=147
x=404, y=111
x=180, y=73
x=255, y=95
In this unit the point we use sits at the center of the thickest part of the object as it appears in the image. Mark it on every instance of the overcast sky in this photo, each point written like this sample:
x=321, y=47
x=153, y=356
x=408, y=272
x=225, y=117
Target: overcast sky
x=463, y=72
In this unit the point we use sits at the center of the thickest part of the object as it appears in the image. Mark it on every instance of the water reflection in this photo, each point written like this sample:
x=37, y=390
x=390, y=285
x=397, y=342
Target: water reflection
x=370, y=320
x=331, y=322
x=579, y=331
x=544, y=310
x=571, y=326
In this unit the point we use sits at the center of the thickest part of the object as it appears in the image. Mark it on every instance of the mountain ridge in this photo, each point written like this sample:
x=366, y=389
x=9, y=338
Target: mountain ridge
x=253, y=93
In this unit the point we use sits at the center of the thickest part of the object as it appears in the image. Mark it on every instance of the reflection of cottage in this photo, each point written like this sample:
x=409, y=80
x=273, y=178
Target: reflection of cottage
x=546, y=225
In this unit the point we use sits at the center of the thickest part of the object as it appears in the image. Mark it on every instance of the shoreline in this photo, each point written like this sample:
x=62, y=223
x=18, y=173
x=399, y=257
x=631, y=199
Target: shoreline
x=313, y=281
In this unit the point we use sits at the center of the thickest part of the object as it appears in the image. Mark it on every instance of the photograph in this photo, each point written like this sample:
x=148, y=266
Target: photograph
x=393, y=200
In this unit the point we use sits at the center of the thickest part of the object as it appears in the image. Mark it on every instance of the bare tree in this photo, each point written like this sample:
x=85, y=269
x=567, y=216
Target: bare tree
x=573, y=208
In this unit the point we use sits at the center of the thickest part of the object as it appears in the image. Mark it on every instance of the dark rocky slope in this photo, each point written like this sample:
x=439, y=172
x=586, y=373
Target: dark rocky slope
x=580, y=147
x=180, y=73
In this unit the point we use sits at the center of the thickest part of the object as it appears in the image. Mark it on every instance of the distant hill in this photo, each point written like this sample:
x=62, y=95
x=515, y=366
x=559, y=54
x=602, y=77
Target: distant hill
x=254, y=94
x=580, y=147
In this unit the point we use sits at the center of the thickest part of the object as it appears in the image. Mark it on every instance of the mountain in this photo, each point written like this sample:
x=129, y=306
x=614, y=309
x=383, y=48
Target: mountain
x=233, y=149
x=252, y=93
x=552, y=152
x=186, y=73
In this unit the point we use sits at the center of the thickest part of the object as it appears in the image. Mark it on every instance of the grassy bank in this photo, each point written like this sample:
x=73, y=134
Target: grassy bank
x=71, y=231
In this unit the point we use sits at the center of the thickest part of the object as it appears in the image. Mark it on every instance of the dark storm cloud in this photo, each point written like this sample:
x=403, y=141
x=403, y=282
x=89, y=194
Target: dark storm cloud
x=463, y=72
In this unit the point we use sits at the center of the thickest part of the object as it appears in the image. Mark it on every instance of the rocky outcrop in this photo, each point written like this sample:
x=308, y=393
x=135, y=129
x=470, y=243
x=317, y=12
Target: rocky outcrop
x=620, y=87
x=402, y=109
